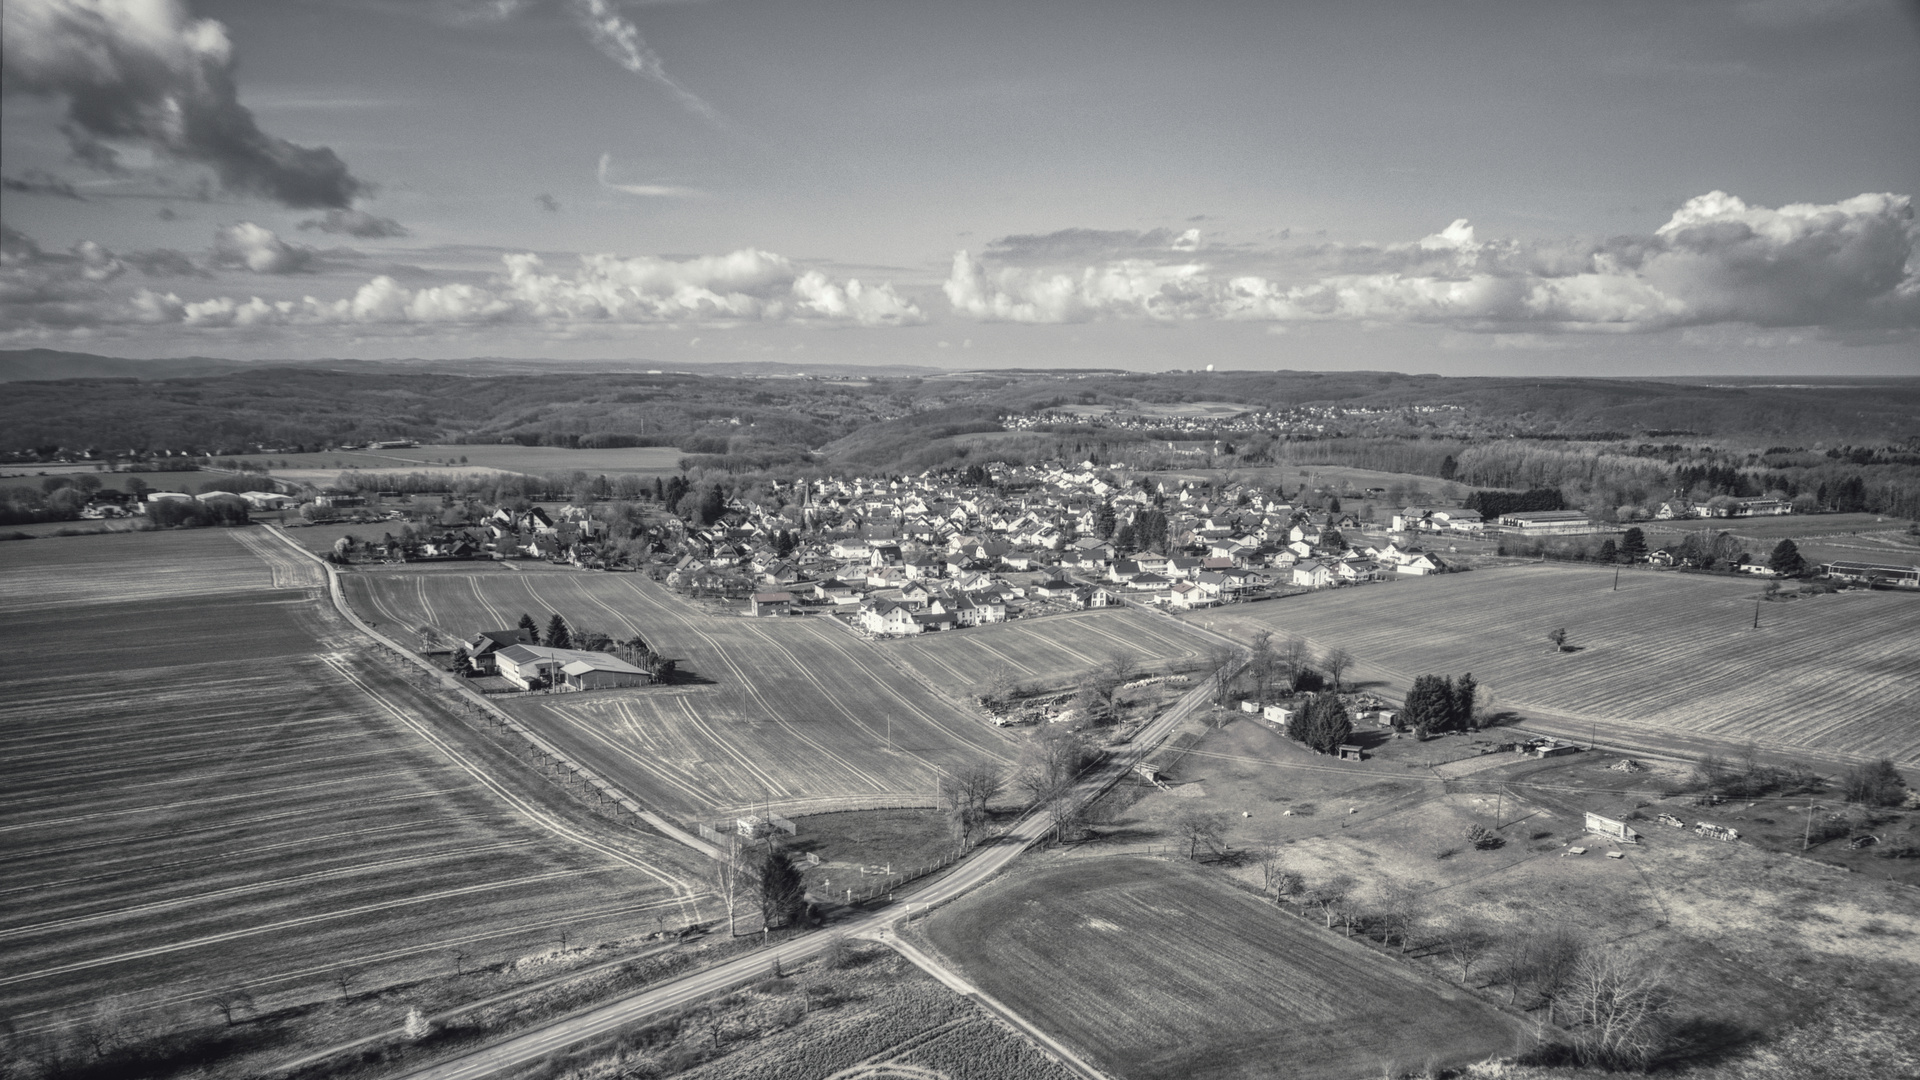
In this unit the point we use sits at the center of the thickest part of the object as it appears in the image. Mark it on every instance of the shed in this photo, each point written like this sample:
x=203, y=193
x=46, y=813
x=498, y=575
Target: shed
x=1611, y=829
x=1351, y=752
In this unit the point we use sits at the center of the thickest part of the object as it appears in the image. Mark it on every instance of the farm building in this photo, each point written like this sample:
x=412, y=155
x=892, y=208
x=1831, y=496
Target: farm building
x=574, y=669
x=482, y=649
x=1904, y=577
x=1611, y=829
x=1547, y=522
x=772, y=603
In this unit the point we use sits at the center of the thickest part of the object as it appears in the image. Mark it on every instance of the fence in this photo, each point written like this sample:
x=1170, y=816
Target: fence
x=895, y=881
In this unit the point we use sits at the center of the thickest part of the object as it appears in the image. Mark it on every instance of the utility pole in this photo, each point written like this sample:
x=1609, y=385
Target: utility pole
x=1616, y=579
x=1499, y=804
x=1756, y=613
x=1806, y=836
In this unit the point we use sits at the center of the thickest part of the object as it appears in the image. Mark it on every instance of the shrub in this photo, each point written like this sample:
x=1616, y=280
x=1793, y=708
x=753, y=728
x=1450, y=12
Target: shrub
x=1483, y=838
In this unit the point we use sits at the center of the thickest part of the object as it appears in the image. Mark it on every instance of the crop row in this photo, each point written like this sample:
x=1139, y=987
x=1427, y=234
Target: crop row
x=1046, y=652
x=777, y=712
x=1669, y=651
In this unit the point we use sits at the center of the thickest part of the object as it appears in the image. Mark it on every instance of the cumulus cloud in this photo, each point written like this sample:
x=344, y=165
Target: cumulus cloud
x=743, y=286
x=149, y=72
x=616, y=36
x=1090, y=244
x=355, y=223
x=257, y=248
x=1849, y=265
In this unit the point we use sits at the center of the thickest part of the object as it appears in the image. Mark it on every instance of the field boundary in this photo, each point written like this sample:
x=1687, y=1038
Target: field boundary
x=587, y=778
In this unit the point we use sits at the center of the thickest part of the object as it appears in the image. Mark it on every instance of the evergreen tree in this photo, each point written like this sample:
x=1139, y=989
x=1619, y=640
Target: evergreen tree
x=1449, y=468
x=1429, y=705
x=1633, y=545
x=1324, y=724
x=1464, y=692
x=558, y=636
x=532, y=628
x=1609, y=552
x=1786, y=560
x=1103, y=521
x=783, y=895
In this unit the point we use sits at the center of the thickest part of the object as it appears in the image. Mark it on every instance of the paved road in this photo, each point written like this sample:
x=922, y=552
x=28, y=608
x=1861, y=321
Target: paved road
x=965, y=875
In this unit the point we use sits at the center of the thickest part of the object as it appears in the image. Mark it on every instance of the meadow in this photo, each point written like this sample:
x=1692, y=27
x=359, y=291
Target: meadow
x=798, y=715
x=1158, y=970
x=1049, y=652
x=480, y=457
x=1668, y=654
x=211, y=789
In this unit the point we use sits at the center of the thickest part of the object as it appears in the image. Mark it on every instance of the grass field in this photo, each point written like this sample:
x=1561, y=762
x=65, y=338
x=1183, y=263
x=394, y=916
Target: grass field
x=209, y=787
x=1048, y=652
x=796, y=714
x=1158, y=970
x=1667, y=653
x=639, y=460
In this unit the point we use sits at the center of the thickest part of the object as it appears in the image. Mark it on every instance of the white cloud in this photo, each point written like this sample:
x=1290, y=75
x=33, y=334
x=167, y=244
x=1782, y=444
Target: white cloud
x=1843, y=266
x=38, y=289
x=259, y=249
x=616, y=36
x=662, y=191
x=357, y=223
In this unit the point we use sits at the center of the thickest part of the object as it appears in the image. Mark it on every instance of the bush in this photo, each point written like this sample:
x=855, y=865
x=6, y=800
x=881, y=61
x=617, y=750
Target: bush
x=1876, y=783
x=1483, y=838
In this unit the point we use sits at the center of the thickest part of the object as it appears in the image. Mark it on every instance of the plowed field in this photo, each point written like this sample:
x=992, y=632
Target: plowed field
x=1047, y=652
x=1156, y=970
x=795, y=714
x=1668, y=652
x=202, y=795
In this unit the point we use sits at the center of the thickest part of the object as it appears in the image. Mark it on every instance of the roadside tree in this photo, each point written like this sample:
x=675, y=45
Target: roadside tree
x=731, y=876
x=782, y=893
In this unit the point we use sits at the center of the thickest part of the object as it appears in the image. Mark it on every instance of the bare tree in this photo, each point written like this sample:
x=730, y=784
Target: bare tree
x=1222, y=666
x=1336, y=661
x=1199, y=826
x=731, y=878
x=1261, y=662
x=344, y=978
x=1559, y=638
x=1401, y=905
x=233, y=1001
x=1288, y=884
x=1617, y=1001
x=1000, y=686
x=1330, y=895
x=1465, y=944
x=964, y=797
x=1294, y=656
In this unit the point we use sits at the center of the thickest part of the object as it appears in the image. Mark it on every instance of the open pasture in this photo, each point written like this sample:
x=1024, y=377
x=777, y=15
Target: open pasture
x=794, y=714
x=200, y=796
x=1049, y=652
x=1667, y=654
x=477, y=457
x=1157, y=970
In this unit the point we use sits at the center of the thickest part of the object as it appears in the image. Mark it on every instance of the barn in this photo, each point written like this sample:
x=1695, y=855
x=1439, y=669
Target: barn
x=572, y=669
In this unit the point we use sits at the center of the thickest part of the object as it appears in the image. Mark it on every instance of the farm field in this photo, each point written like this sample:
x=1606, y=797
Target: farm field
x=210, y=788
x=1052, y=651
x=641, y=460
x=1668, y=654
x=797, y=714
x=1157, y=970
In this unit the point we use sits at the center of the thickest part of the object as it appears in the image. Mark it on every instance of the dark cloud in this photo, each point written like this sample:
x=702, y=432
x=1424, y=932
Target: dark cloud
x=36, y=182
x=152, y=74
x=164, y=262
x=547, y=202
x=355, y=223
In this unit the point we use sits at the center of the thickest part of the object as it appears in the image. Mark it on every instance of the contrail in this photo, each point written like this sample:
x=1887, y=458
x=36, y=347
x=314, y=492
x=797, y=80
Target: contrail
x=659, y=190
x=616, y=36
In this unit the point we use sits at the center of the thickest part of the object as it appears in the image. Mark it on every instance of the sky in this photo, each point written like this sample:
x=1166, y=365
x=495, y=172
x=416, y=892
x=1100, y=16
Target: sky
x=1715, y=187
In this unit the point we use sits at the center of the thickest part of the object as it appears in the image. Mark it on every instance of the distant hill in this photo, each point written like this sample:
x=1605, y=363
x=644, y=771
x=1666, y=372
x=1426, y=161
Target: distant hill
x=20, y=365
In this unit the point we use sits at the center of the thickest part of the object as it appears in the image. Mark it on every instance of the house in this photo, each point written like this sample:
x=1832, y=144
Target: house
x=1313, y=574
x=482, y=648
x=1418, y=564
x=1278, y=715
x=890, y=618
x=771, y=603
x=835, y=592
x=1105, y=597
